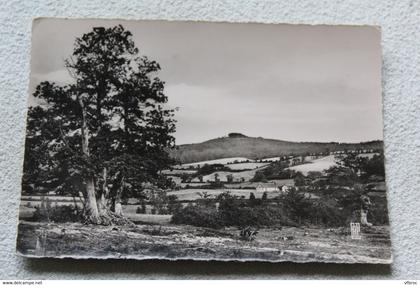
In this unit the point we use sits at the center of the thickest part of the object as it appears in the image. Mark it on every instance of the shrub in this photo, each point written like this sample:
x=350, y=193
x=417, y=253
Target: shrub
x=248, y=234
x=163, y=211
x=142, y=209
x=267, y=215
x=291, y=209
x=252, y=201
x=378, y=212
x=324, y=213
x=198, y=215
x=264, y=196
x=245, y=212
x=296, y=205
x=58, y=214
x=210, y=168
x=259, y=177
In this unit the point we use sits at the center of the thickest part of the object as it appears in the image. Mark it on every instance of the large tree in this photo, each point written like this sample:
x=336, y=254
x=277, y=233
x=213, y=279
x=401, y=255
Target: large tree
x=105, y=134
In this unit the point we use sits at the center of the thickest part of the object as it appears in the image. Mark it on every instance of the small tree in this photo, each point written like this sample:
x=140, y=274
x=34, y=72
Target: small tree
x=264, y=197
x=229, y=178
x=296, y=204
x=251, y=196
x=252, y=200
x=299, y=179
x=216, y=177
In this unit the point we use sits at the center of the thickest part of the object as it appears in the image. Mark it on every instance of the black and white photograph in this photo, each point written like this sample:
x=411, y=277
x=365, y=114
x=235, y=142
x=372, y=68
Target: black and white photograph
x=189, y=140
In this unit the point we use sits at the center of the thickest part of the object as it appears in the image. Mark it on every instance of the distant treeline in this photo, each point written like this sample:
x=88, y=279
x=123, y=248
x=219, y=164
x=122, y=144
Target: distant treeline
x=258, y=148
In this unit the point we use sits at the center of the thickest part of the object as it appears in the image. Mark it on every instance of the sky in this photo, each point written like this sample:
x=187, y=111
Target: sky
x=288, y=82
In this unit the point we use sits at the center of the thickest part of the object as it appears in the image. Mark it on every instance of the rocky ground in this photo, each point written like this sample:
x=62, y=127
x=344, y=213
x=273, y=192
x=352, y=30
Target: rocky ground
x=188, y=242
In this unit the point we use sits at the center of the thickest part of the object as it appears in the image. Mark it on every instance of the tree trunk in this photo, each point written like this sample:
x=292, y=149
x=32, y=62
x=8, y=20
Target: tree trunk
x=91, y=211
x=117, y=202
x=96, y=209
x=102, y=200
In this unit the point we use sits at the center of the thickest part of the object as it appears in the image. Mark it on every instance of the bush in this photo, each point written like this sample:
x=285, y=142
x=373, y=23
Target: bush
x=291, y=209
x=296, y=205
x=324, y=213
x=198, y=215
x=251, y=216
x=163, y=211
x=259, y=177
x=264, y=196
x=249, y=212
x=142, y=209
x=378, y=212
x=252, y=201
x=58, y=214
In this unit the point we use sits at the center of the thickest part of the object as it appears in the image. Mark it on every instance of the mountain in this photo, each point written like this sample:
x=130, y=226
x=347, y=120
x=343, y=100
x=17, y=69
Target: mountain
x=238, y=145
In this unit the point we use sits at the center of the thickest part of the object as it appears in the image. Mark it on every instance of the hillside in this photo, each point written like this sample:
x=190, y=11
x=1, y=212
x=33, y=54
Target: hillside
x=258, y=148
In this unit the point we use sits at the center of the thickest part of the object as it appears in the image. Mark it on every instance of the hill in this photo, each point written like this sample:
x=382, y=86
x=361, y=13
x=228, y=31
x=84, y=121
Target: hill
x=259, y=148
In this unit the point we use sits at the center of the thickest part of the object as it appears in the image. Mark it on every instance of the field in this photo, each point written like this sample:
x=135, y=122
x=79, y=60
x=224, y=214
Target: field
x=178, y=171
x=247, y=165
x=272, y=159
x=237, y=176
x=245, y=185
x=187, y=242
x=216, y=161
x=193, y=194
x=320, y=164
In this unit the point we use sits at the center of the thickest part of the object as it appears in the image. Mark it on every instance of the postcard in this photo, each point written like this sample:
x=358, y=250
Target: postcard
x=204, y=141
